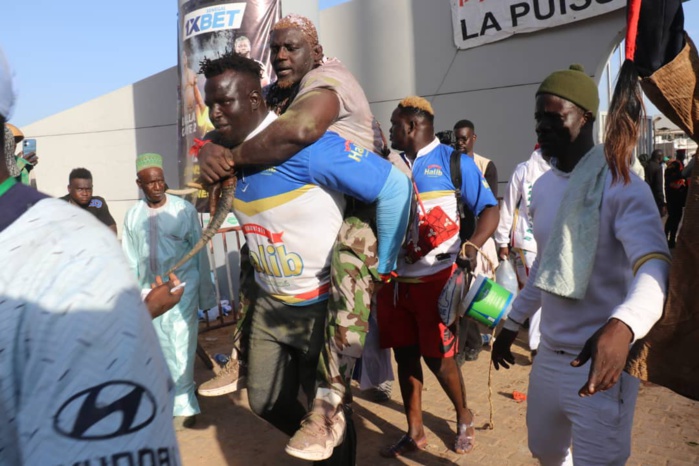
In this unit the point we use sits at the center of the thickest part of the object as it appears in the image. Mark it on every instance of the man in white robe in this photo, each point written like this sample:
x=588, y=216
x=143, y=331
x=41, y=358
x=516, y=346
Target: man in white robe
x=158, y=231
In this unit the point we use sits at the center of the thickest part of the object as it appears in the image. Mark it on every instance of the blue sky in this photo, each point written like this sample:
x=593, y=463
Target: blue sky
x=67, y=52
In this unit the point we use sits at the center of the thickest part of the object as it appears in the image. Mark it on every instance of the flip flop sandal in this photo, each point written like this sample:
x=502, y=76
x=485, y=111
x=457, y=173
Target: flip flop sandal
x=465, y=436
x=403, y=446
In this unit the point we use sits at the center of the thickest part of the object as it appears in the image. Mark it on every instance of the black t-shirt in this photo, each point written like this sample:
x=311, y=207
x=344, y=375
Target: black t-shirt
x=16, y=201
x=98, y=208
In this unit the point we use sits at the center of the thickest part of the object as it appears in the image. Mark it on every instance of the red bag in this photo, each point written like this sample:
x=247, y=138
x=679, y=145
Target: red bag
x=433, y=228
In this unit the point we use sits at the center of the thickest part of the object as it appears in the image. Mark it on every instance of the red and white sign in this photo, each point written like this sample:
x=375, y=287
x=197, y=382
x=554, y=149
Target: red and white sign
x=255, y=229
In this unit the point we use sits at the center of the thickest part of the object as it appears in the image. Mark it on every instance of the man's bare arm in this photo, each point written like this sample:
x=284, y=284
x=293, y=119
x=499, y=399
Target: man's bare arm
x=485, y=227
x=305, y=121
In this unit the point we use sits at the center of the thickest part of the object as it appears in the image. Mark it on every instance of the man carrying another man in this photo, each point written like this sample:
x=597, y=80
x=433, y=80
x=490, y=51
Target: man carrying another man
x=314, y=95
x=291, y=214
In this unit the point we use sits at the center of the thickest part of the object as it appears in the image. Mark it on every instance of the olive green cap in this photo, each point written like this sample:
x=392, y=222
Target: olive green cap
x=572, y=85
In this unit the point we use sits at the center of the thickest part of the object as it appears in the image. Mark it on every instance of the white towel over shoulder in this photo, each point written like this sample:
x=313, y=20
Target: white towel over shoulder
x=565, y=266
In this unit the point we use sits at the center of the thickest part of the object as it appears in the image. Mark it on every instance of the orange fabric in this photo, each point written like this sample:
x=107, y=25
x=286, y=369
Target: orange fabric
x=16, y=132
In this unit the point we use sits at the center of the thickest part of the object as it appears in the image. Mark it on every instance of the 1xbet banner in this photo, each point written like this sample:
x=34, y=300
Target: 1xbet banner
x=207, y=29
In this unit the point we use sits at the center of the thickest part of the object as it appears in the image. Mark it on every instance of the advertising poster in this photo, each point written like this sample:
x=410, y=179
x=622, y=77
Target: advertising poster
x=207, y=29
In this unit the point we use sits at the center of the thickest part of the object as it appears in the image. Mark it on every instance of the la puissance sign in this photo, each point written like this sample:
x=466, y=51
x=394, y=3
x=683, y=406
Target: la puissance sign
x=478, y=22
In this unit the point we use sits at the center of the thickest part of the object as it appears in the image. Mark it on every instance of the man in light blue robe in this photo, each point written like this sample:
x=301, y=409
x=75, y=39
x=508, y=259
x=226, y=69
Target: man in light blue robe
x=158, y=231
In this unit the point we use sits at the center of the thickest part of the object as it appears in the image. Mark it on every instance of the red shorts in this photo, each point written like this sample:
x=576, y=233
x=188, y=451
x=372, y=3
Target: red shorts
x=410, y=316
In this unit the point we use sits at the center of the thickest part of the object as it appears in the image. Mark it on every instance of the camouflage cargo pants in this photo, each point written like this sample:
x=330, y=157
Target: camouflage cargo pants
x=353, y=270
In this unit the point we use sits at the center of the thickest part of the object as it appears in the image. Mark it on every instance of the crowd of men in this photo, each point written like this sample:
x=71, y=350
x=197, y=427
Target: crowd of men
x=668, y=177
x=341, y=228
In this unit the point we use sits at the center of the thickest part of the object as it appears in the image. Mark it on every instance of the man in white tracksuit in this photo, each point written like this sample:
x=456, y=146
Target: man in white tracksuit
x=600, y=278
x=516, y=228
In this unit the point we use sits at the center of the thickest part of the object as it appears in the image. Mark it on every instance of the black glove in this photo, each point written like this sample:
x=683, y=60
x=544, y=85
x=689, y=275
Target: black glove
x=501, y=354
x=660, y=34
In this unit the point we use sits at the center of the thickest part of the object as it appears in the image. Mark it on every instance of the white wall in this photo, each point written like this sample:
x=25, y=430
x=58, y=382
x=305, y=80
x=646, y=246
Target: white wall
x=398, y=48
x=105, y=135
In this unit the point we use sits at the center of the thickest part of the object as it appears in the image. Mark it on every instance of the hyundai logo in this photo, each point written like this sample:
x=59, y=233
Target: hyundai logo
x=105, y=411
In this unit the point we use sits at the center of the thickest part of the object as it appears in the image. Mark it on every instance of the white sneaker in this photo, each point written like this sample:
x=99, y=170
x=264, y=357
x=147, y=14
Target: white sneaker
x=231, y=378
x=317, y=436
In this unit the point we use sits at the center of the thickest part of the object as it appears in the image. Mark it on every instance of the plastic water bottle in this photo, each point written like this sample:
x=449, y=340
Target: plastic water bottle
x=221, y=359
x=506, y=277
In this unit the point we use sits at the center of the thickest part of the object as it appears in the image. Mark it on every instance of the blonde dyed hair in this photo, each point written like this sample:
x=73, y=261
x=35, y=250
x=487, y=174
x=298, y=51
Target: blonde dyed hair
x=418, y=103
x=294, y=21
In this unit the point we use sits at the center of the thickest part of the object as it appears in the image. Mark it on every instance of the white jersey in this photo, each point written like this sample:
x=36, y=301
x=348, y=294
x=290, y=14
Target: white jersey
x=516, y=227
x=291, y=213
x=83, y=378
x=432, y=177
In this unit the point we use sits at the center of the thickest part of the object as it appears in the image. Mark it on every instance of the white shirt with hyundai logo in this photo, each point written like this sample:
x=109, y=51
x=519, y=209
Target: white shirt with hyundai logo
x=82, y=378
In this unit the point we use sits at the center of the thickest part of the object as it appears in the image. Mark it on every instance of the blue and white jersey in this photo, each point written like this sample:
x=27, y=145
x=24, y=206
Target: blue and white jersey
x=432, y=176
x=291, y=213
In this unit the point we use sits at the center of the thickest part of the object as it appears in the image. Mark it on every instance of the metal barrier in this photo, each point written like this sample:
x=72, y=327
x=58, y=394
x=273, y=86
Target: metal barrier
x=225, y=267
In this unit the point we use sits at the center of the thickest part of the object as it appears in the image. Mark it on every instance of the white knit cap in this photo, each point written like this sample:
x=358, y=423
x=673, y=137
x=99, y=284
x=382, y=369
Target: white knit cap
x=7, y=94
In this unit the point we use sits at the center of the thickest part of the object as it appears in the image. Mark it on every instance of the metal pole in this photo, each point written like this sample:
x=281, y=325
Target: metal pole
x=621, y=47
x=609, y=82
